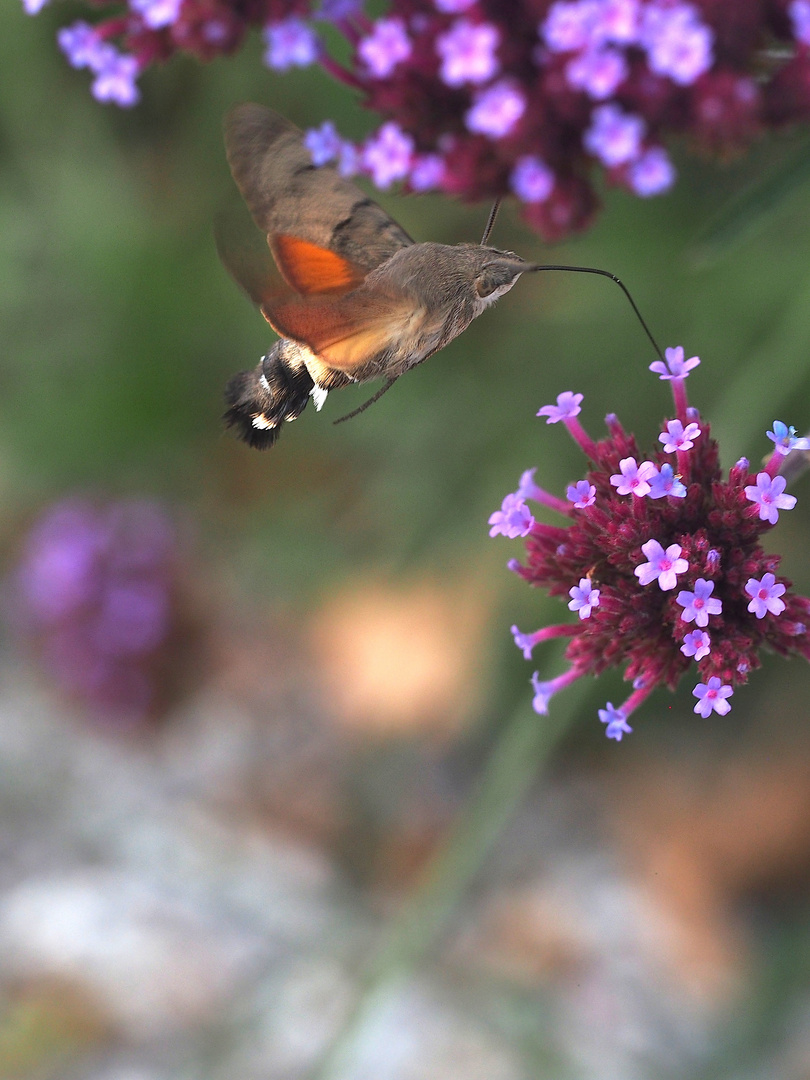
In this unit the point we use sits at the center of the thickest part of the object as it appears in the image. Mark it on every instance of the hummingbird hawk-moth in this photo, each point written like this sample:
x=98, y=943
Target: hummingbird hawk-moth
x=351, y=295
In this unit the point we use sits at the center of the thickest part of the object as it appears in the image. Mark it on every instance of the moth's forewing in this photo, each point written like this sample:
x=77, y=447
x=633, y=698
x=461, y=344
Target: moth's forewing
x=288, y=196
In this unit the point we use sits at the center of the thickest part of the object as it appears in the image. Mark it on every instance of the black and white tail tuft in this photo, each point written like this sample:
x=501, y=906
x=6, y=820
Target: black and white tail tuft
x=259, y=401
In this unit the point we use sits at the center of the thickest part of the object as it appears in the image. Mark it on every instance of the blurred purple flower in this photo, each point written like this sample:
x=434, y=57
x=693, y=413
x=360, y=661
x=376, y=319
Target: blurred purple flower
x=467, y=52
x=290, y=43
x=95, y=590
x=484, y=86
x=387, y=46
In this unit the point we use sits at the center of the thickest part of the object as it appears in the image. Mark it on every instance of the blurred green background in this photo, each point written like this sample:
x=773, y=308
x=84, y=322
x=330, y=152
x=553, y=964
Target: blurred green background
x=120, y=328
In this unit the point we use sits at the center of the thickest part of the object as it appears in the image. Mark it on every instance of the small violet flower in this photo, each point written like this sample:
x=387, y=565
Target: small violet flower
x=700, y=604
x=768, y=496
x=581, y=494
x=567, y=406
x=675, y=367
x=513, y=519
x=584, y=598
x=468, y=53
x=496, y=110
x=696, y=643
x=696, y=530
x=290, y=43
x=765, y=596
x=677, y=437
x=784, y=437
x=665, y=482
x=663, y=565
x=633, y=479
x=616, y=722
x=712, y=697
x=387, y=46
x=387, y=155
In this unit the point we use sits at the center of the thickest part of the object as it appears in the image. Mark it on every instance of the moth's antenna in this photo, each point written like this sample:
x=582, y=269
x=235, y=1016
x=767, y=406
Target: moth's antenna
x=490, y=221
x=622, y=286
x=362, y=408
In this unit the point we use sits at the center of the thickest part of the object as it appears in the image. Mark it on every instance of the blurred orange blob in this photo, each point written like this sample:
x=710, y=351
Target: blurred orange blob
x=404, y=657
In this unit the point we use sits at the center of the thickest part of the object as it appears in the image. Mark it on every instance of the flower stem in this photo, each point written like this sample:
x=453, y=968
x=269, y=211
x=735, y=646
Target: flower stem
x=580, y=436
x=679, y=396
x=525, y=745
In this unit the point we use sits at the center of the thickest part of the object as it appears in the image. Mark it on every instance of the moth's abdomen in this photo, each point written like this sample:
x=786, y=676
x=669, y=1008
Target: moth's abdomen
x=259, y=401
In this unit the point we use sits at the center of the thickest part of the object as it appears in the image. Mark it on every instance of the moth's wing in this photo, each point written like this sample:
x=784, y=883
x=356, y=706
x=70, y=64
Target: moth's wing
x=345, y=332
x=314, y=302
x=245, y=254
x=289, y=196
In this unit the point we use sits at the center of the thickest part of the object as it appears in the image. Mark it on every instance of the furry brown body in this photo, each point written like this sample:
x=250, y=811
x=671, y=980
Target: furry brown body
x=352, y=296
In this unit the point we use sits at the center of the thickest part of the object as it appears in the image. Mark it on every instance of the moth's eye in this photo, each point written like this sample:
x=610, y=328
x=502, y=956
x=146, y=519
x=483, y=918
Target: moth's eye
x=493, y=278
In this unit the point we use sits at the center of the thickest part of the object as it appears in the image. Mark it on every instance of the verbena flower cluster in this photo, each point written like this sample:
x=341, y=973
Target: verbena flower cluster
x=482, y=98
x=661, y=559
x=95, y=592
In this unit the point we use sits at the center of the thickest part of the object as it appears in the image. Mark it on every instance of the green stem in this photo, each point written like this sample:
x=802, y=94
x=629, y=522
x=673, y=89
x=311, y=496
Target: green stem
x=523, y=747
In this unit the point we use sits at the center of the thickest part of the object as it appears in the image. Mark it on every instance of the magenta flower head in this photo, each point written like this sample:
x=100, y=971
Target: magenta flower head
x=96, y=594
x=664, y=569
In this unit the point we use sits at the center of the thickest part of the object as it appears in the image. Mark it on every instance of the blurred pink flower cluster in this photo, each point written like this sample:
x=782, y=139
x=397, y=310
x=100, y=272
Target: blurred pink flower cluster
x=485, y=98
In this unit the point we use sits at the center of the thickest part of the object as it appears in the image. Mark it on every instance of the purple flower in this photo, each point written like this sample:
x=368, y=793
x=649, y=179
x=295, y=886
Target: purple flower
x=513, y=519
x=82, y=46
x=799, y=11
x=768, y=495
x=784, y=437
x=678, y=44
x=468, y=53
x=568, y=26
x=387, y=46
x=677, y=437
x=581, y=494
x=496, y=110
x=765, y=596
x=545, y=691
x=652, y=173
x=675, y=367
x=696, y=643
x=290, y=43
x=584, y=598
x=633, y=479
x=712, y=696
x=349, y=160
x=531, y=180
x=427, y=171
x=567, y=406
x=663, y=565
x=115, y=81
x=387, y=155
x=94, y=593
x=665, y=482
x=707, y=530
x=618, y=21
x=599, y=72
x=323, y=143
x=525, y=642
x=616, y=722
x=614, y=136
x=157, y=13
x=700, y=604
